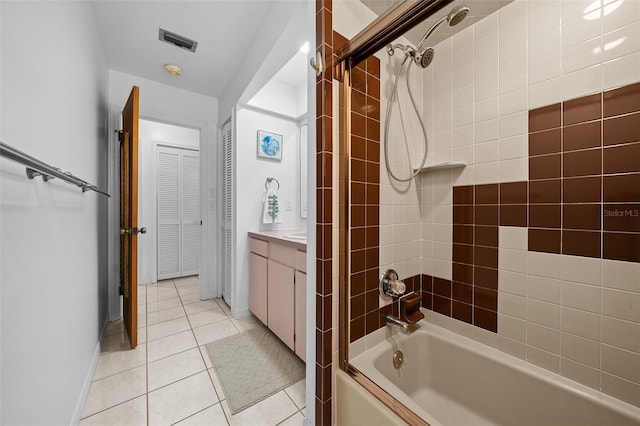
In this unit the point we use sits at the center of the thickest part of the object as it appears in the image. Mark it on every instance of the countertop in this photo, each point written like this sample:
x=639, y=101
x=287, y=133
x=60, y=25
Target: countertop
x=278, y=237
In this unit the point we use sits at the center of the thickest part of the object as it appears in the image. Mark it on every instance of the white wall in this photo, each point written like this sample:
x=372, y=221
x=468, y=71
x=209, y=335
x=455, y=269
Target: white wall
x=250, y=175
x=53, y=237
x=277, y=97
x=152, y=134
x=160, y=102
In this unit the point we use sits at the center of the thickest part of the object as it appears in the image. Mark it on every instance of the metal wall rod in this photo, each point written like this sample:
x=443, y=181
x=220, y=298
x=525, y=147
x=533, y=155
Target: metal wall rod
x=36, y=168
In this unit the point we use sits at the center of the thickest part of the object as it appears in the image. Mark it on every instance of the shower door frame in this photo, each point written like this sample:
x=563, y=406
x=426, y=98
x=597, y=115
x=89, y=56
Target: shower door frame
x=371, y=39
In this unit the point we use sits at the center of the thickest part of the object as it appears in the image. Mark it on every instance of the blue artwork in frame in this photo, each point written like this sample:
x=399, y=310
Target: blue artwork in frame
x=269, y=145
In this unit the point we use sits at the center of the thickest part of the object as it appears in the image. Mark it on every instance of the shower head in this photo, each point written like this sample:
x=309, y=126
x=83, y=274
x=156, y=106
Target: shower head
x=454, y=17
x=425, y=58
x=457, y=15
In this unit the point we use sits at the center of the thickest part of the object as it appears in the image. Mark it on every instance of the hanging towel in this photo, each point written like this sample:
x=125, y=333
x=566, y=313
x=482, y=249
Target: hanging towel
x=272, y=208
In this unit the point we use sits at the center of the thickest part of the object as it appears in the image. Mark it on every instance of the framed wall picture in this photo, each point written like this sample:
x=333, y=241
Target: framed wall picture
x=269, y=145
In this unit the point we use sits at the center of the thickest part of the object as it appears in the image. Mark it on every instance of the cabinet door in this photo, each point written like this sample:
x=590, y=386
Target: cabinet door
x=301, y=314
x=280, y=301
x=258, y=286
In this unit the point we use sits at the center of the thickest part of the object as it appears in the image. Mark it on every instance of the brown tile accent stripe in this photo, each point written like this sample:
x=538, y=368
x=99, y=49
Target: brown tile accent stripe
x=474, y=296
x=599, y=150
x=324, y=219
x=365, y=314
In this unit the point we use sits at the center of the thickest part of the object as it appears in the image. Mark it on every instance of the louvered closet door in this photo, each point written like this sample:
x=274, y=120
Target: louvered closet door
x=227, y=212
x=178, y=213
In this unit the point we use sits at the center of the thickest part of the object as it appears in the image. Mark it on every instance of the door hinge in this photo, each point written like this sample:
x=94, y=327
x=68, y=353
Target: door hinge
x=120, y=135
x=121, y=290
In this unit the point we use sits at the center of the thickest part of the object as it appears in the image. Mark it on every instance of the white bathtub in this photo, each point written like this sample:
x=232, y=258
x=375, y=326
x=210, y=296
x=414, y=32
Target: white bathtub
x=449, y=379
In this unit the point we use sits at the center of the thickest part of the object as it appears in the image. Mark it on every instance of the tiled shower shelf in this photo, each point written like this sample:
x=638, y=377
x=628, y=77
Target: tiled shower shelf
x=443, y=166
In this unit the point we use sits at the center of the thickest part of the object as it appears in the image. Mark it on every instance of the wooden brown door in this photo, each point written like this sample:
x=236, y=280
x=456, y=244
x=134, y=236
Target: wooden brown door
x=129, y=214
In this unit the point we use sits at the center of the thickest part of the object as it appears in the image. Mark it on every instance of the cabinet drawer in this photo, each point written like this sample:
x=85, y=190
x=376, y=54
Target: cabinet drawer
x=301, y=261
x=283, y=254
x=259, y=247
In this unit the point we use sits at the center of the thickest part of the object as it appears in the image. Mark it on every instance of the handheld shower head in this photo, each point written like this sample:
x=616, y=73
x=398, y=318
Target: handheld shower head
x=454, y=17
x=457, y=15
x=425, y=58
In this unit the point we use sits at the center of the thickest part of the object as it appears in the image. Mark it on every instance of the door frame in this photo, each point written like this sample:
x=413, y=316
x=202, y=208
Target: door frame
x=209, y=286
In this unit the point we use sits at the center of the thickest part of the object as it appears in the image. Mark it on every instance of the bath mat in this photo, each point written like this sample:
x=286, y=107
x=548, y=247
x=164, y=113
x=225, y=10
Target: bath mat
x=252, y=366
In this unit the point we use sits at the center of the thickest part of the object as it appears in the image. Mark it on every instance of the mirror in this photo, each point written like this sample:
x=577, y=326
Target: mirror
x=303, y=170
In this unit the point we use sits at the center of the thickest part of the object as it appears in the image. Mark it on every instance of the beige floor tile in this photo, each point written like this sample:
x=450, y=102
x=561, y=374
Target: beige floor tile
x=163, y=304
x=186, y=280
x=244, y=324
x=205, y=356
x=167, y=328
x=161, y=293
x=142, y=319
x=188, y=288
x=206, y=317
x=181, y=399
x=295, y=420
x=297, y=393
x=115, y=343
x=268, y=412
x=130, y=413
x=165, y=282
x=201, y=306
x=111, y=363
x=165, y=315
x=216, y=384
x=213, y=416
x=175, y=367
x=170, y=345
x=114, y=390
x=190, y=298
x=216, y=331
x=224, y=306
x=142, y=334
x=115, y=327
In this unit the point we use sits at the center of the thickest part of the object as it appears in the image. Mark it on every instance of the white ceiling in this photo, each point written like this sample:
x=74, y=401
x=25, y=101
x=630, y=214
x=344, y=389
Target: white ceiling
x=224, y=29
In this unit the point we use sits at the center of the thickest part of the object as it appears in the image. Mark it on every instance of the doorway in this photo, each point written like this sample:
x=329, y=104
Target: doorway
x=169, y=201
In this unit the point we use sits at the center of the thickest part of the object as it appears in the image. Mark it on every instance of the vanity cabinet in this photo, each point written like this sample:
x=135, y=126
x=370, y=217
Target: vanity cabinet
x=277, y=290
x=280, y=301
x=258, y=253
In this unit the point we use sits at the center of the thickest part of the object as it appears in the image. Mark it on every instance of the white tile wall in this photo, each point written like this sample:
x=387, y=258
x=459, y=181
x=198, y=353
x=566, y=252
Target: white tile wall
x=558, y=312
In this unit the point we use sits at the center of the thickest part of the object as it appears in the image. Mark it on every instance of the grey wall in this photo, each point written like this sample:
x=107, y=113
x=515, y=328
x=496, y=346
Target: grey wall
x=53, y=237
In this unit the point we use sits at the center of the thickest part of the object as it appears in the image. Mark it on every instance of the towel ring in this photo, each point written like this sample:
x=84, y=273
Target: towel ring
x=267, y=184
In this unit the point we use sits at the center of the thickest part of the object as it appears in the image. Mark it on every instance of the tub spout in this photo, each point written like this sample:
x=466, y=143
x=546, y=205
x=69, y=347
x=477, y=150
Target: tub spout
x=404, y=326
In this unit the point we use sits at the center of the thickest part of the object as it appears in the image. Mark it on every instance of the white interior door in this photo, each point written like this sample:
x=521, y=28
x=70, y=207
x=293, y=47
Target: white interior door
x=178, y=212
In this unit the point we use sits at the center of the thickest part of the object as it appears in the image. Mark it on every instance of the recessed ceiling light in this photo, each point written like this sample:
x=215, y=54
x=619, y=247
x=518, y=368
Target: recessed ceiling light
x=173, y=69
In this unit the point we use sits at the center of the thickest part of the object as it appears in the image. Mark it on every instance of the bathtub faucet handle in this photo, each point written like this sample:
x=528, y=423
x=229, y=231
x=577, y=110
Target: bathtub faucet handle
x=390, y=285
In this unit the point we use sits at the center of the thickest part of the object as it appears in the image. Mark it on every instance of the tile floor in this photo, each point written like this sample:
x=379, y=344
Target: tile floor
x=168, y=378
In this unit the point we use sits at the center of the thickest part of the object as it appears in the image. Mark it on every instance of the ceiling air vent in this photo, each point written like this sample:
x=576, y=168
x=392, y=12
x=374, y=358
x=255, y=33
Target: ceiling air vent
x=177, y=40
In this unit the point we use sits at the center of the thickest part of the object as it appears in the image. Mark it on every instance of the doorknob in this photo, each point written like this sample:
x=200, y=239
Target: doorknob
x=133, y=231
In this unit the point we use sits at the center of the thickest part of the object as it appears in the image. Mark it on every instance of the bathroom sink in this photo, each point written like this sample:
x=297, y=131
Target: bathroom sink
x=296, y=235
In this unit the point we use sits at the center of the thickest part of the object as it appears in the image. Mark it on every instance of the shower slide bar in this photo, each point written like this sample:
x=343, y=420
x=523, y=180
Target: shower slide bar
x=37, y=168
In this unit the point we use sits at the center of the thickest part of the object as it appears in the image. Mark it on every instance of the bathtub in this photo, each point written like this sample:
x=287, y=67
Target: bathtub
x=449, y=379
